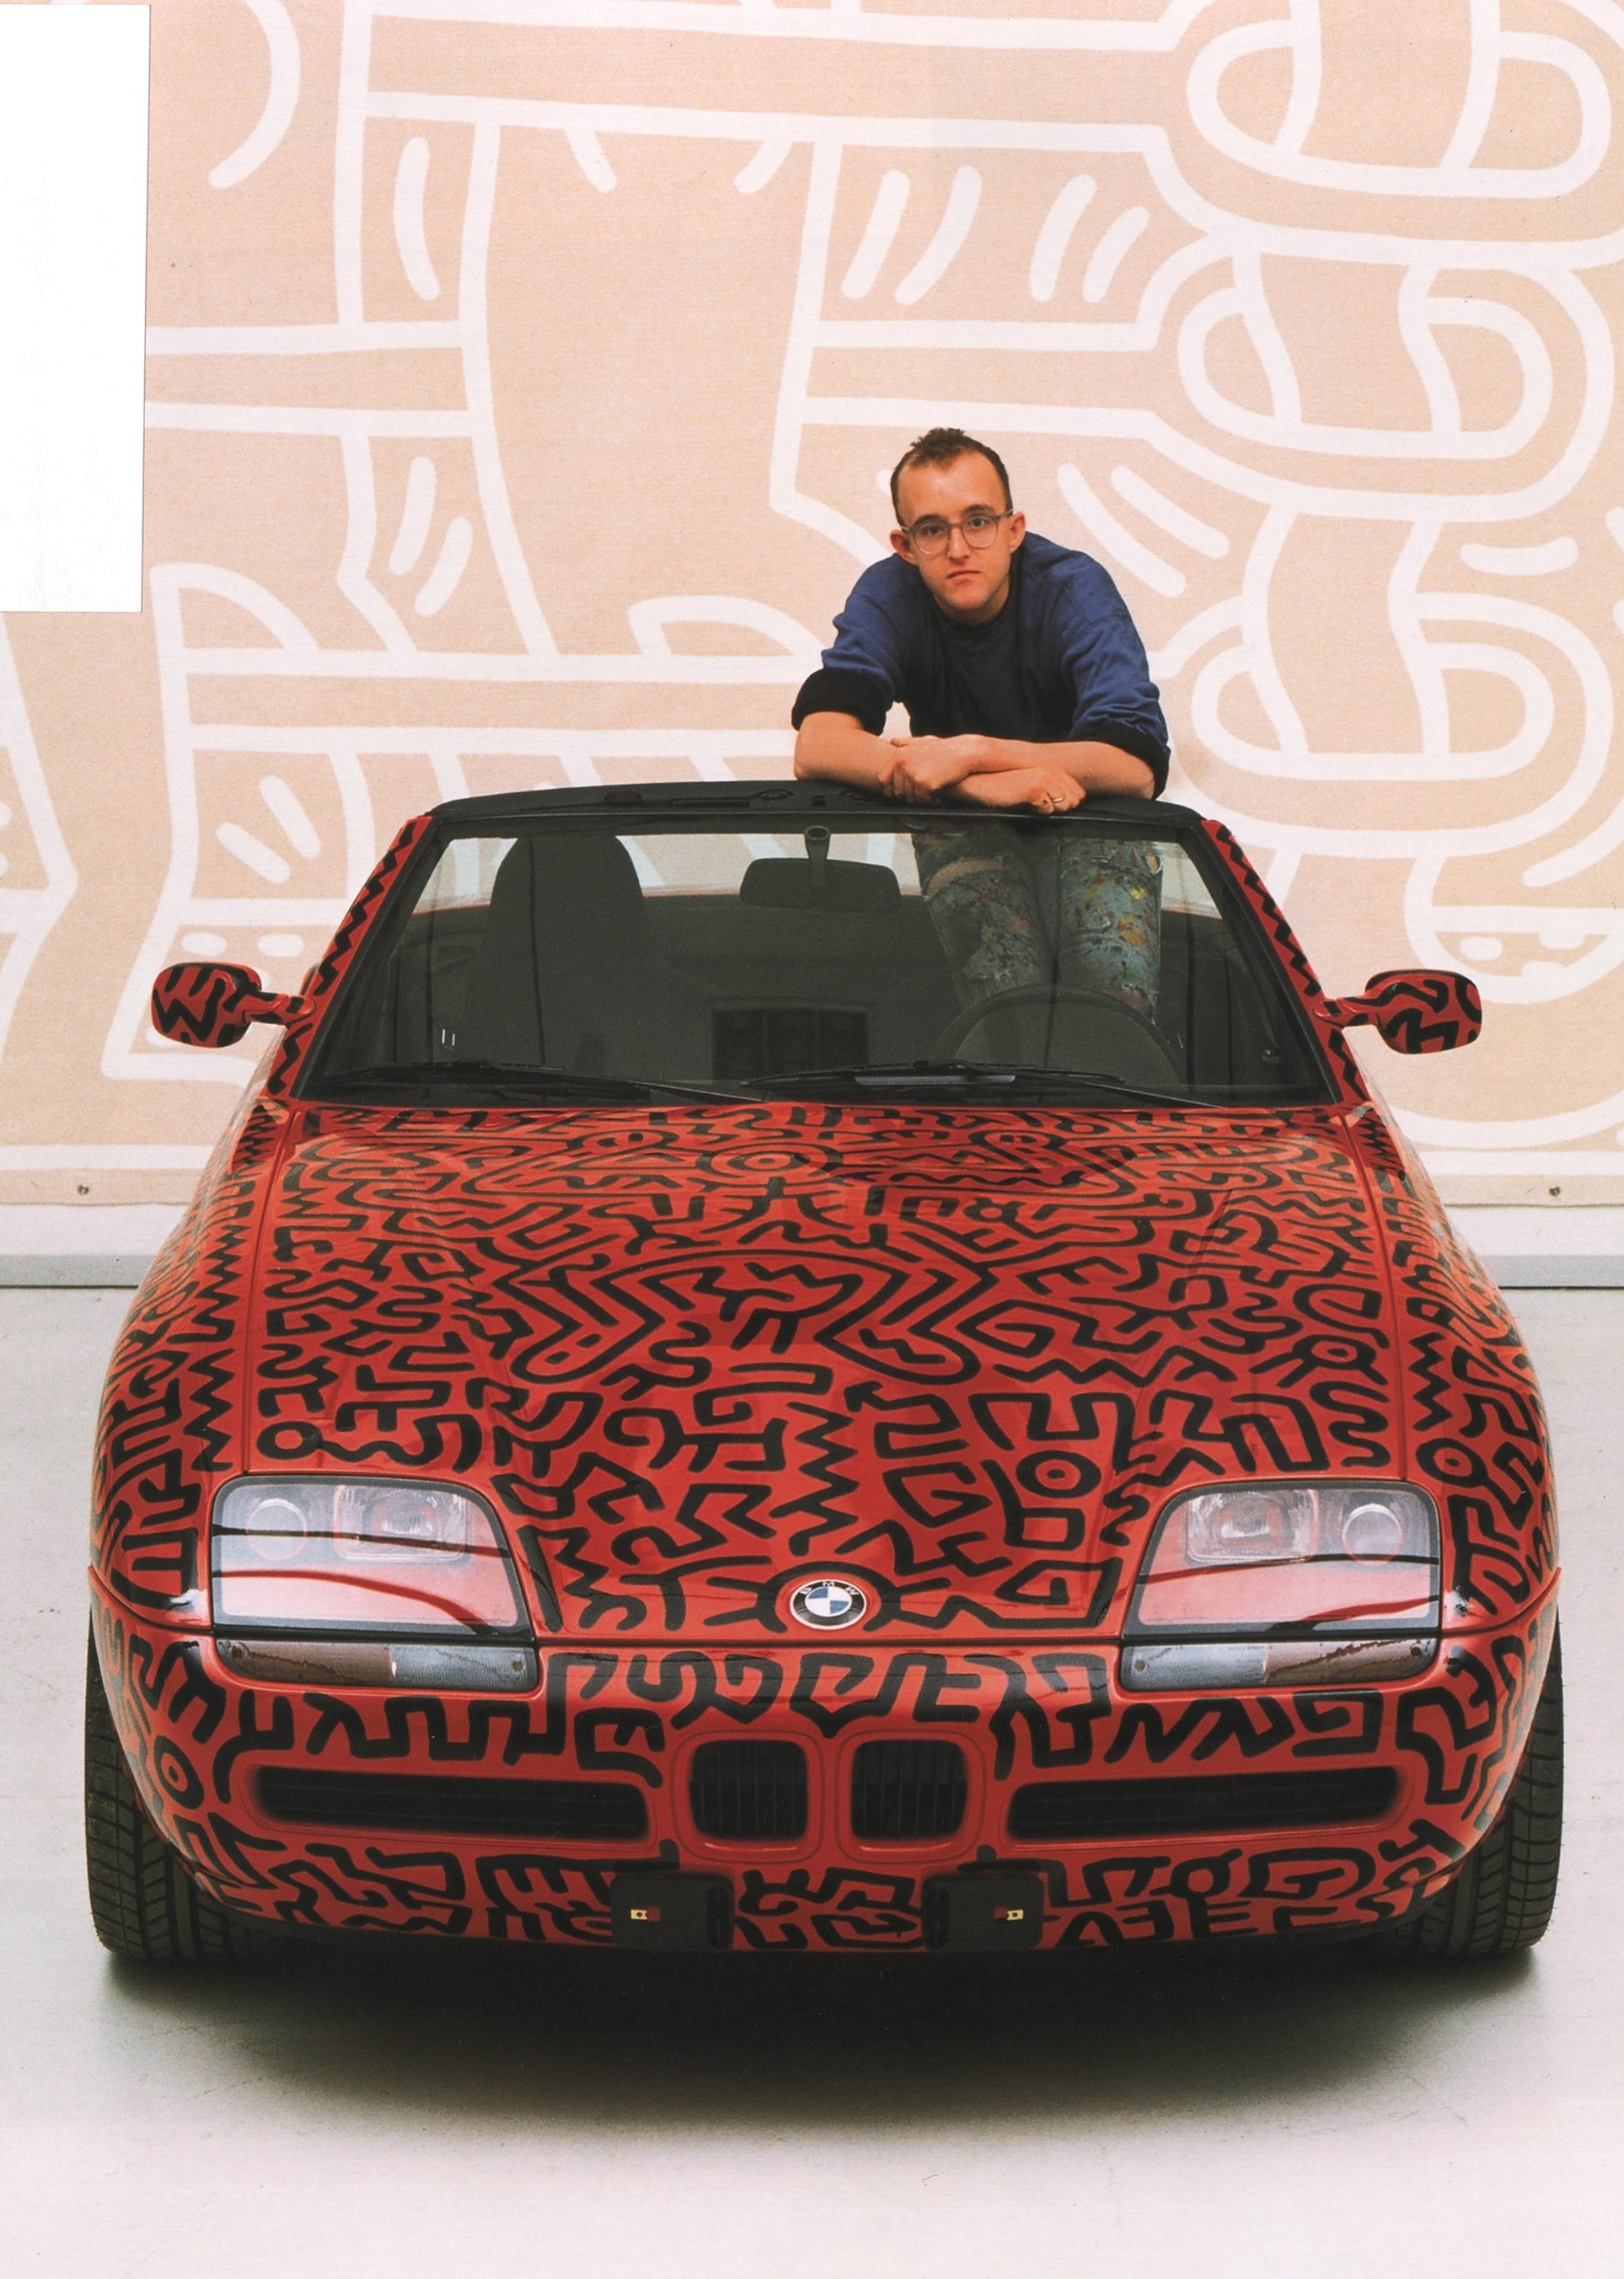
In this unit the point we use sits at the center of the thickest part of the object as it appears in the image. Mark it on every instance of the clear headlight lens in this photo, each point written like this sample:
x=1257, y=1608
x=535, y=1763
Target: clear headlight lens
x=370, y=1556
x=1285, y=1585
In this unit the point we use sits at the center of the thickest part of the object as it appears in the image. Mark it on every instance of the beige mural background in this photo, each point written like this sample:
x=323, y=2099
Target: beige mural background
x=522, y=375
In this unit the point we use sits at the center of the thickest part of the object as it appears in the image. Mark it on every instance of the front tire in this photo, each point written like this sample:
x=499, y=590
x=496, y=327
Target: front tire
x=144, y=1905
x=1501, y=1900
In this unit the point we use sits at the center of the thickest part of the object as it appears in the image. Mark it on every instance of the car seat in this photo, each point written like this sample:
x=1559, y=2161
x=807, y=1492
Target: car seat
x=566, y=973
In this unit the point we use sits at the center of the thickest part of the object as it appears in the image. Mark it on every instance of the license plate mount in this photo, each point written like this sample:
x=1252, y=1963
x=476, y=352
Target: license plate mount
x=672, y=1914
x=983, y=1914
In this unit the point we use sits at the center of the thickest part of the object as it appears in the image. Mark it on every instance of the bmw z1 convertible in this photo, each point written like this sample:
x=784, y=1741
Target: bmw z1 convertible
x=691, y=1410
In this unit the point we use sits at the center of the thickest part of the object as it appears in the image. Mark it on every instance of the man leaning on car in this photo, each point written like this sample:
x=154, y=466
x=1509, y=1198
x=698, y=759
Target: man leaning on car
x=1026, y=686
x=1024, y=679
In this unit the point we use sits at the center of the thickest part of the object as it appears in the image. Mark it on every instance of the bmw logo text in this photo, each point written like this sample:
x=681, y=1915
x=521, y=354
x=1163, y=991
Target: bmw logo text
x=828, y=1605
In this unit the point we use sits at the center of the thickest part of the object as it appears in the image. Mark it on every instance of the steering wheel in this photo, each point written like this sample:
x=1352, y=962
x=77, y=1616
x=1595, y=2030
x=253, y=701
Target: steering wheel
x=1121, y=1041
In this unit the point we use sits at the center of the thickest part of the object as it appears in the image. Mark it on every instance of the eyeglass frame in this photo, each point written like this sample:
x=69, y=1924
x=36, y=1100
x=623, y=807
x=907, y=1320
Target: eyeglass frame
x=997, y=514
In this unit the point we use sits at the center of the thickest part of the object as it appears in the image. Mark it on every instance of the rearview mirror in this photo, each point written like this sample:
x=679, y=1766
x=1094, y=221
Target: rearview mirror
x=209, y=1004
x=1414, y=1009
x=834, y=889
x=783, y=883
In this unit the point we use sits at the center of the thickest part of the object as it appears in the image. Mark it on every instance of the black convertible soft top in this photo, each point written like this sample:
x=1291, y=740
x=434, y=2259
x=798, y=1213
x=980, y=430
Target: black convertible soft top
x=784, y=797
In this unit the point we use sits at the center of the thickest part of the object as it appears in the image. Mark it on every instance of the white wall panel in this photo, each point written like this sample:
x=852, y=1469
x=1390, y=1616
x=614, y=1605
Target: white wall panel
x=73, y=291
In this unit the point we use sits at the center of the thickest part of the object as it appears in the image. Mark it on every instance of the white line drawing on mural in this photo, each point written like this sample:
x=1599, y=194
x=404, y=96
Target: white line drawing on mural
x=1437, y=633
x=933, y=264
x=28, y=913
x=1049, y=249
x=281, y=97
x=411, y=237
x=1458, y=176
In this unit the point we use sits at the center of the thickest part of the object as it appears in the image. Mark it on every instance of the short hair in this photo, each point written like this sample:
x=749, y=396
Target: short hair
x=940, y=447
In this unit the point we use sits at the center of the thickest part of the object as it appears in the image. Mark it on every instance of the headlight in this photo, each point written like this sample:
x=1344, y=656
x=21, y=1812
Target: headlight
x=348, y=1556
x=1285, y=1585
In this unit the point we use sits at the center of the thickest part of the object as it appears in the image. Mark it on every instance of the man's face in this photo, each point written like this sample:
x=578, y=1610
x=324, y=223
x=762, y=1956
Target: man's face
x=969, y=584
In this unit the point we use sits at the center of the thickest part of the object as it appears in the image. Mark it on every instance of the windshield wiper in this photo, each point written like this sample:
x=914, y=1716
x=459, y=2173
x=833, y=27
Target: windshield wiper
x=515, y=1079
x=927, y=1075
x=525, y=1080
x=1097, y=1079
x=892, y=1072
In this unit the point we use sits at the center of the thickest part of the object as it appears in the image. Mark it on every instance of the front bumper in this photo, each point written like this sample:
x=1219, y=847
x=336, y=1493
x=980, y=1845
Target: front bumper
x=221, y=1763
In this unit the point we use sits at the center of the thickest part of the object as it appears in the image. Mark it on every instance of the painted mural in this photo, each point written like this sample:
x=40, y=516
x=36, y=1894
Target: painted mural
x=523, y=378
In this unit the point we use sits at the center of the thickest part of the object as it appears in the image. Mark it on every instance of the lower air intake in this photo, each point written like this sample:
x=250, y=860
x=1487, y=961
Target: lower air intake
x=1082, y=1811
x=748, y=1791
x=906, y=1791
x=565, y=1812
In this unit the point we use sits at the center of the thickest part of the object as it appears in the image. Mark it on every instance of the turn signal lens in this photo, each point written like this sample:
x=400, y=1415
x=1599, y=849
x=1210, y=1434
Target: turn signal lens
x=1220, y=1663
x=381, y=1661
x=1283, y=1561
x=359, y=1555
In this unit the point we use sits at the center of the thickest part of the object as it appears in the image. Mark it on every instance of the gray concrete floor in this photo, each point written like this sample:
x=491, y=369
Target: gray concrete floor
x=388, y=2115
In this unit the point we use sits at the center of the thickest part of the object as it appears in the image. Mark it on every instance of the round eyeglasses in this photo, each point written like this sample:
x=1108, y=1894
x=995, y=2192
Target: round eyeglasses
x=979, y=527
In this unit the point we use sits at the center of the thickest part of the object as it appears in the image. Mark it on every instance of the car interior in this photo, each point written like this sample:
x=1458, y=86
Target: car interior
x=567, y=959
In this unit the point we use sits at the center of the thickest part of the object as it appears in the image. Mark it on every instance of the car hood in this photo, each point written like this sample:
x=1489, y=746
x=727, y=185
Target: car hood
x=957, y=1358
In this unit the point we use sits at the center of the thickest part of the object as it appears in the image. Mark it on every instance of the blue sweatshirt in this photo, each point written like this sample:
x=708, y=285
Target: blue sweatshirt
x=1060, y=663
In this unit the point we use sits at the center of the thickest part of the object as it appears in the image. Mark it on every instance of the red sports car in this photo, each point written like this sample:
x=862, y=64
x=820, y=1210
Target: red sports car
x=745, y=1377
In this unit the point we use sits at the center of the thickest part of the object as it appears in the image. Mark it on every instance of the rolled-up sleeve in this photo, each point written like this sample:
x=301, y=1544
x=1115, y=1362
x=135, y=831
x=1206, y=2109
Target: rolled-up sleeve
x=1114, y=700
x=863, y=667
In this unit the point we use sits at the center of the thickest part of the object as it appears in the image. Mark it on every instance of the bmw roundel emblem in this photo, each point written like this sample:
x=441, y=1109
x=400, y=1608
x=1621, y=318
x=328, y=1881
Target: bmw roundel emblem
x=828, y=1605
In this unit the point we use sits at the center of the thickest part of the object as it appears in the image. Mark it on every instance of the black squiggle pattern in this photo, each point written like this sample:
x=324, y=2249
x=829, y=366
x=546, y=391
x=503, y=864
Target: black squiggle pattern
x=962, y=1356
x=353, y=929
x=693, y=1355
x=211, y=1004
x=196, y=1743
x=1417, y=1012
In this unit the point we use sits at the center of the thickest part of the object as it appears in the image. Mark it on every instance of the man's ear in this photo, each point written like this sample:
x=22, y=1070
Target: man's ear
x=1017, y=529
x=900, y=545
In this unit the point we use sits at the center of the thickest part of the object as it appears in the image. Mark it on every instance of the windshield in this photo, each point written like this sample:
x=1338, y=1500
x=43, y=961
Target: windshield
x=945, y=958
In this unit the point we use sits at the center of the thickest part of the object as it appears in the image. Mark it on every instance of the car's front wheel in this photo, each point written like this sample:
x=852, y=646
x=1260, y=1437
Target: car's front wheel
x=144, y=1905
x=1502, y=1898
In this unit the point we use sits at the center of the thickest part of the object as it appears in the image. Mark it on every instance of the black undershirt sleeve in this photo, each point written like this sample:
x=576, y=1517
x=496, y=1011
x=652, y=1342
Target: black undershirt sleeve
x=837, y=688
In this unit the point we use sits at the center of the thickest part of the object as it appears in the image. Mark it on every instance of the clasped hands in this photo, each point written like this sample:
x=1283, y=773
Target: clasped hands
x=980, y=769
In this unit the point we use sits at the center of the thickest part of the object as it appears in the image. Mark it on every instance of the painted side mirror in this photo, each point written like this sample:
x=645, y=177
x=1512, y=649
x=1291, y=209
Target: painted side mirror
x=1414, y=1009
x=209, y=1004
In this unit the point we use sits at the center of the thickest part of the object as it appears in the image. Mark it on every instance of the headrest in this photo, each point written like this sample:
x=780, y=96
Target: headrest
x=570, y=882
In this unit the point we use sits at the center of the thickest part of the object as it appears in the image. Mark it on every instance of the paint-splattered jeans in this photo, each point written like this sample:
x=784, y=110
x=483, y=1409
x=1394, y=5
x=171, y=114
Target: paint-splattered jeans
x=1015, y=905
